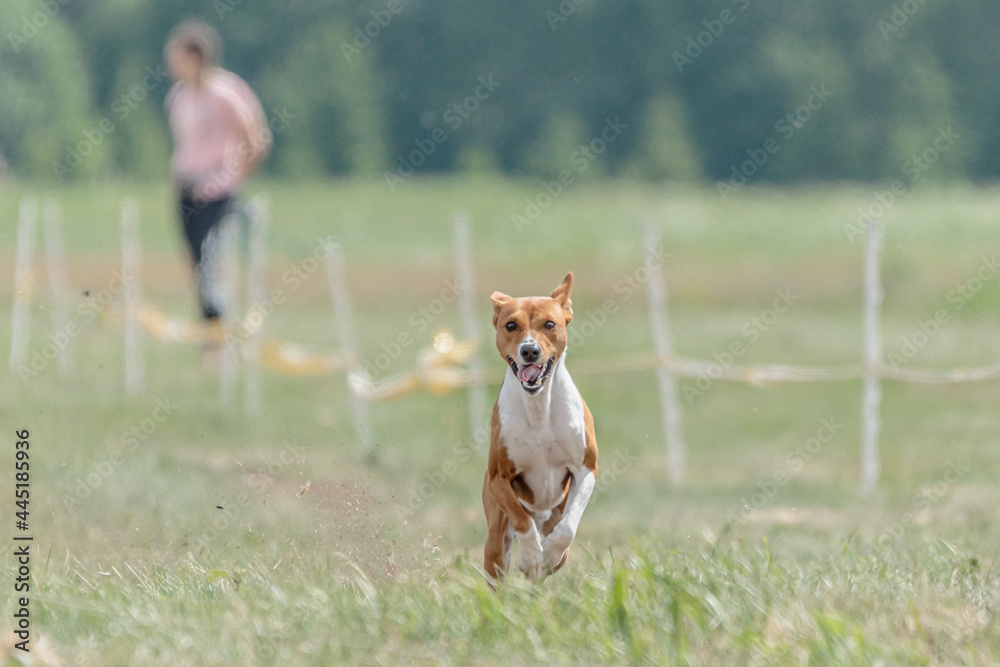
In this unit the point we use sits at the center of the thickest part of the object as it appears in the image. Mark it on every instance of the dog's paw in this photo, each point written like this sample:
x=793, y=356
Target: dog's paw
x=532, y=559
x=554, y=547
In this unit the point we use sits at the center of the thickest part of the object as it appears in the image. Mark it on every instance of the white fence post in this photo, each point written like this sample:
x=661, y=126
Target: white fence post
x=670, y=408
x=55, y=265
x=337, y=281
x=871, y=422
x=135, y=368
x=23, y=283
x=229, y=278
x=256, y=294
x=465, y=281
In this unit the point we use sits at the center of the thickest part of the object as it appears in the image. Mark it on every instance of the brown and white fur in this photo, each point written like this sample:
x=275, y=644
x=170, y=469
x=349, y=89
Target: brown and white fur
x=543, y=452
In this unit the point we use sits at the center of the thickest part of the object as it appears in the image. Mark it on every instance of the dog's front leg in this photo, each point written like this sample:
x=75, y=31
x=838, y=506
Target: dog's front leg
x=532, y=559
x=556, y=543
x=522, y=523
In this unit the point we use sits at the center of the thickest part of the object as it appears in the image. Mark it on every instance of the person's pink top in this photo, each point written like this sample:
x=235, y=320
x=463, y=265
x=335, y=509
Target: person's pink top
x=215, y=127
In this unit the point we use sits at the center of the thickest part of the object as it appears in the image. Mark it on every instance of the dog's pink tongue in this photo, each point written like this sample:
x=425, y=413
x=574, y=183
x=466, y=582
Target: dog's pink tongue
x=529, y=373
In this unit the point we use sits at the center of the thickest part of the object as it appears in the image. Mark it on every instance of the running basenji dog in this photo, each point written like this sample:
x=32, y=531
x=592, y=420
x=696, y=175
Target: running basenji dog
x=543, y=452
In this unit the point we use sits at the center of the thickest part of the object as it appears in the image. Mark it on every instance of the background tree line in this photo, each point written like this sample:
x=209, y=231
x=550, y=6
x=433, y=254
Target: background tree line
x=396, y=86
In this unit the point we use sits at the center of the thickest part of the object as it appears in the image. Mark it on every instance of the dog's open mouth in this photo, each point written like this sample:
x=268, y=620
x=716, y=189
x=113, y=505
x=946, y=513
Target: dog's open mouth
x=532, y=376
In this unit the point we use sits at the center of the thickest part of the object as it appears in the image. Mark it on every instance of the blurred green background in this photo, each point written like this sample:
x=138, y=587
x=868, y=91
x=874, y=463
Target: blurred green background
x=351, y=87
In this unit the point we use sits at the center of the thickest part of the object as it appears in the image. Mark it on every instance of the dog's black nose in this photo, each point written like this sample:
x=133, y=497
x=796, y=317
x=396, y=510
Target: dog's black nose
x=530, y=352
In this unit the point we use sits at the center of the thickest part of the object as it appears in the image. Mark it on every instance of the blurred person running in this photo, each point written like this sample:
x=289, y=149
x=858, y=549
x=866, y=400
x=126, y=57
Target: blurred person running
x=220, y=134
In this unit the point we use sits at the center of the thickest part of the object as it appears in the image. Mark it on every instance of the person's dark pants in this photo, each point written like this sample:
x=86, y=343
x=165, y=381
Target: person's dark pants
x=201, y=221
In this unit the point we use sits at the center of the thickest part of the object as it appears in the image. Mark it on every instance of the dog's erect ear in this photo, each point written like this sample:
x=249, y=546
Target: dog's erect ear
x=561, y=294
x=499, y=301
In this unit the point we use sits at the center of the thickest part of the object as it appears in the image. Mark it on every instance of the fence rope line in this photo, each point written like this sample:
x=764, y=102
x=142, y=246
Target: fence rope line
x=772, y=373
x=301, y=359
x=757, y=374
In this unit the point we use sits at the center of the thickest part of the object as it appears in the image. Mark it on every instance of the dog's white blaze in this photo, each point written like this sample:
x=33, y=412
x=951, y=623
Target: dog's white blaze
x=545, y=434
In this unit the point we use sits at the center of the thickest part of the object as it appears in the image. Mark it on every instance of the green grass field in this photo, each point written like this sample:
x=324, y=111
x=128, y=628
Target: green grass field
x=169, y=530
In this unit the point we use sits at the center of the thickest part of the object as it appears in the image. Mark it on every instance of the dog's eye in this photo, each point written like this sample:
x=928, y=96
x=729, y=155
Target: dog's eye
x=511, y=326
x=550, y=325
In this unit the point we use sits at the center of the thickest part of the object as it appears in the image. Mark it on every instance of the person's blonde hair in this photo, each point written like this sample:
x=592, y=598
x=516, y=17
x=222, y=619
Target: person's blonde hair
x=199, y=39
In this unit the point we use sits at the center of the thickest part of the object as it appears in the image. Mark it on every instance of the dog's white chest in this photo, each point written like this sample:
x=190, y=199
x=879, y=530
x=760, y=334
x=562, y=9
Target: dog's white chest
x=545, y=436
